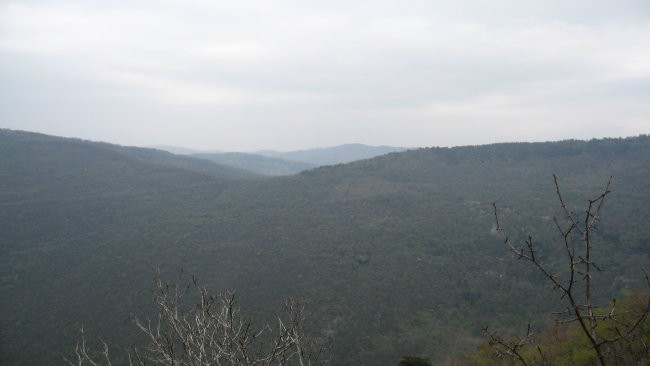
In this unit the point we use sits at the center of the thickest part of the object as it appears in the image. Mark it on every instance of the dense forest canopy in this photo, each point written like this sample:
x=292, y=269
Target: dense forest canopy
x=396, y=255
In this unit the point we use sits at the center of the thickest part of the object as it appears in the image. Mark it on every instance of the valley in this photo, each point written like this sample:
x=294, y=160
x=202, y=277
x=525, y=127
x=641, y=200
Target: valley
x=396, y=255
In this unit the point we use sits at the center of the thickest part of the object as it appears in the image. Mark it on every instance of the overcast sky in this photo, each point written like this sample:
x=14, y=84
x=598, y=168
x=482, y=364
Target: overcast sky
x=244, y=75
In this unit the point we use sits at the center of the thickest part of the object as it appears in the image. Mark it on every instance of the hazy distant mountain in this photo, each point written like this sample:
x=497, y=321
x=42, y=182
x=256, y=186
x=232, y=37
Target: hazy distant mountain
x=395, y=255
x=80, y=166
x=276, y=163
x=259, y=164
x=179, y=150
x=333, y=155
x=184, y=162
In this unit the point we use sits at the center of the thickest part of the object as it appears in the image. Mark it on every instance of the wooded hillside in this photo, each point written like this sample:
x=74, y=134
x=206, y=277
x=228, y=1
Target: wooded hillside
x=397, y=255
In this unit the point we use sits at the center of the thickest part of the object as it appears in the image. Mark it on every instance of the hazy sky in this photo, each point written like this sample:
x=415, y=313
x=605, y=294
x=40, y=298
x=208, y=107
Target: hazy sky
x=250, y=74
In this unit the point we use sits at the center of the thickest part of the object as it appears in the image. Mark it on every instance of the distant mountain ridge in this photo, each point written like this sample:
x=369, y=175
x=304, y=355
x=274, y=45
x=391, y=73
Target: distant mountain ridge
x=333, y=155
x=38, y=160
x=258, y=164
x=179, y=150
x=271, y=162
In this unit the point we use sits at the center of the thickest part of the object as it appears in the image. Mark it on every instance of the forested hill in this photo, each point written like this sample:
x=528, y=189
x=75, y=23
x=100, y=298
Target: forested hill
x=396, y=254
x=259, y=164
x=332, y=155
x=41, y=166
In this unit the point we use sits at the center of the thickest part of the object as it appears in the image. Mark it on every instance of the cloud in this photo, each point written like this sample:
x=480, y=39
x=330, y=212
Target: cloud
x=462, y=69
x=187, y=93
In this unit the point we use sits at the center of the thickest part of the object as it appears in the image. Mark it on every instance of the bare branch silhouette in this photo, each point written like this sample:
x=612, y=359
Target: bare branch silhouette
x=581, y=308
x=212, y=331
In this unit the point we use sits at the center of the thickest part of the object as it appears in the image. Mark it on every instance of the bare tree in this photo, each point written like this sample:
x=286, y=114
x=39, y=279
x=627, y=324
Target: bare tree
x=577, y=287
x=512, y=347
x=212, y=331
x=83, y=354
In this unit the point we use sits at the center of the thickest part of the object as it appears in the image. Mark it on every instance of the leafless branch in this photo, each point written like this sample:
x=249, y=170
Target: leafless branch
x=581, y=266
x=83, y=354
x=510, y=348
x=212, y=331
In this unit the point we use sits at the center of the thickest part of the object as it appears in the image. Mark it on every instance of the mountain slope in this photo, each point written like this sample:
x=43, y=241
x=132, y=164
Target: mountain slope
x=333, y=155
x=212, y=168
x=77, y=216
x=36, y=165
x=178, y=150
x=257, y=163
x=395, y=254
